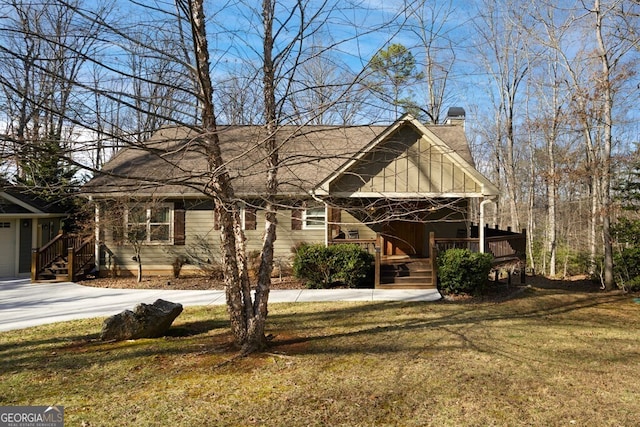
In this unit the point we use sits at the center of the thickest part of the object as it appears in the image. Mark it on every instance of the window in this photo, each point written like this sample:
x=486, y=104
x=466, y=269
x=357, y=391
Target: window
x=5, y=225
x=149, y=224
x=313, y=218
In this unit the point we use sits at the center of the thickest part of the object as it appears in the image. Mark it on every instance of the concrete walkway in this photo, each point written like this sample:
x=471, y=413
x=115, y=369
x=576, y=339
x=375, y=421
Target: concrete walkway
x=23, y=304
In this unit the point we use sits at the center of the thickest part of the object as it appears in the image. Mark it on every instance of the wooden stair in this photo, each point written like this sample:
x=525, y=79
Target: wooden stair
x=67, y=257
x=407, y=273
x=57, y=271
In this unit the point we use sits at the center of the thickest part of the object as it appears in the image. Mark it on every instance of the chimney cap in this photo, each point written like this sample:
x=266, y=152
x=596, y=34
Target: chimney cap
x=456, y=112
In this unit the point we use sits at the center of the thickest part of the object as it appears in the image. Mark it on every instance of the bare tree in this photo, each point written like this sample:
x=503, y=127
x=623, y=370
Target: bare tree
x=43, y=51
x=505, y=56
x=427, y=21
x=324, y=91
x=603, y=59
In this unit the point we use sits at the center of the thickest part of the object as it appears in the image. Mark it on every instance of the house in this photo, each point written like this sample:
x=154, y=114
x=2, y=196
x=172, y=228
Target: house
x=26, y=222
x=387, y=188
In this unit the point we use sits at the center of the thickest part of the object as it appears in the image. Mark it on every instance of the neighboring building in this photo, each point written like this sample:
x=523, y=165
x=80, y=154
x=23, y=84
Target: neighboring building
x=388, y=186
x=26, y=222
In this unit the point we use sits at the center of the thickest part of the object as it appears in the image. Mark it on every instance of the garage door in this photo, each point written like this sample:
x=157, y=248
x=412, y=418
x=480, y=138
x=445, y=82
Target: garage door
x=7, y=248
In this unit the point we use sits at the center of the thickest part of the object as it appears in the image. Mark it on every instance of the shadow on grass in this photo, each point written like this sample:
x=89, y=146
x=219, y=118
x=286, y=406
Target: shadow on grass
x=60, y=351
x=322, y=328
x=195, y=328
x=523, y=303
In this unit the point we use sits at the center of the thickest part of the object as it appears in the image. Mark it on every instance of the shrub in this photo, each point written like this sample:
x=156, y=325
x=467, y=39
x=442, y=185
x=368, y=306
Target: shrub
x=178, y=262
x=353, y=264
x=322, y=266
x=627, y=269
x=461, y=271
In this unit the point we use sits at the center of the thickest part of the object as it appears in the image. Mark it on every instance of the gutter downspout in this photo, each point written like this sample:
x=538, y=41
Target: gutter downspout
x=481, y=233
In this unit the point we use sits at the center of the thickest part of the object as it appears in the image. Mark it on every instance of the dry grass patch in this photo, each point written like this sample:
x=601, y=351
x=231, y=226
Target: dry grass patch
x=544, y=358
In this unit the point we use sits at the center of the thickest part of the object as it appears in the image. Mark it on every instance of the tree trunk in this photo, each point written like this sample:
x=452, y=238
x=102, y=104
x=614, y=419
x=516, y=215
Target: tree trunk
x=530, y=211
x=552, y=188
x=510, y=172
x=256, y=339
x=220, y=187
x=139, y=278
x=606, y=160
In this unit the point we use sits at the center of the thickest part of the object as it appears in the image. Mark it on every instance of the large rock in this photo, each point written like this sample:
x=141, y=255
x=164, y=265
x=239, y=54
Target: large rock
x=145, y=321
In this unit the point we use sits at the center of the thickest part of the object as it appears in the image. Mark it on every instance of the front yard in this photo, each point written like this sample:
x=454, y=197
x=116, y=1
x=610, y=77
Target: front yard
x=540, y=357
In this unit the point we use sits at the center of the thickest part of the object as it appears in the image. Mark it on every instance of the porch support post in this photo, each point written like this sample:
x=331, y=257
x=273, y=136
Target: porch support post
x=481, y=234
x=377, y=262
x=327, y=227
x=34, y=265
x=433, y=257
x=71, y=263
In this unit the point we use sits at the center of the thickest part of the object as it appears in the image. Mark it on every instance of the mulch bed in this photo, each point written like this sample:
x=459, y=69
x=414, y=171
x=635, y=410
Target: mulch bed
x=186, y=283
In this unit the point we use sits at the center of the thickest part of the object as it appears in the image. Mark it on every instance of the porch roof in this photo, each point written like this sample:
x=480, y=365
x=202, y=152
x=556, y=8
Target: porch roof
x=22, y=202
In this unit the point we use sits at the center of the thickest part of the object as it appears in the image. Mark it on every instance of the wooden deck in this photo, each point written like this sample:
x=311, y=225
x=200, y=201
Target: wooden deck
x=406, y=272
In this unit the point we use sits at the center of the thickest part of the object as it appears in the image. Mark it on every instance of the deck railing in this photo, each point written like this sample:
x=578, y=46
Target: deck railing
x=444, y=244
x=81, y=257
x=78, y=250
x=368, y=245
x=501, y=247
x=505, y=246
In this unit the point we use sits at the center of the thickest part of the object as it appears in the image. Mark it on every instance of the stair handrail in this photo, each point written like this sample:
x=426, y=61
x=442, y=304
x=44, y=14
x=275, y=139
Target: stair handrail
x=81, y=256
x=60, y=246
x=41, y=257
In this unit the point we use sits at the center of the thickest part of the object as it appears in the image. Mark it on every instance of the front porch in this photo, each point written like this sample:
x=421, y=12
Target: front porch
x=397, y=270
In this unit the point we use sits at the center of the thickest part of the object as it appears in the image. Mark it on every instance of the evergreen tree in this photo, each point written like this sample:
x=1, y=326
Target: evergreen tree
x=626, y=231
x=393, y=71
x=44, y=171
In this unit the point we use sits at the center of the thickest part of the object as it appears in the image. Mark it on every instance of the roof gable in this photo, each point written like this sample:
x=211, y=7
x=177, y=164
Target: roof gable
x=19, y=201
x=410, y=160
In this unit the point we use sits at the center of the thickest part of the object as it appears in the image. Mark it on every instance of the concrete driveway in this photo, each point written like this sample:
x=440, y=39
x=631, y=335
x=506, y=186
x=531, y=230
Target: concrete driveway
x=23, y=304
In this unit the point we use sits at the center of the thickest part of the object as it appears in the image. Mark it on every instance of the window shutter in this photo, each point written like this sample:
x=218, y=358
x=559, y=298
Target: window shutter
x=296, y=219
x=179, y=225
x=118, y=225
x=250, y=221
x=335, y=218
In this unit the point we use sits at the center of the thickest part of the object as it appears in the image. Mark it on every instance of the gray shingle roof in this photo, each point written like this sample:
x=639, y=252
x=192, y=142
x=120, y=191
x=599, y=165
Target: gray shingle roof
x=174, y=163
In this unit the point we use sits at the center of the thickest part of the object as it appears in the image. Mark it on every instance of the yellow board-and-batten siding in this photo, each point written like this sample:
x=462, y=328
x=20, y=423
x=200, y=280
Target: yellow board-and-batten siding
x=406, y=164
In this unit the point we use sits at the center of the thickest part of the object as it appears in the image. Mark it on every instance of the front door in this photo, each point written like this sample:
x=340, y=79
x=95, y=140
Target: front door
x=404, y=238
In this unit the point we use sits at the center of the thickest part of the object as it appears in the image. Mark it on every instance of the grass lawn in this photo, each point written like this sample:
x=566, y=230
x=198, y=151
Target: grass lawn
x=543, y=358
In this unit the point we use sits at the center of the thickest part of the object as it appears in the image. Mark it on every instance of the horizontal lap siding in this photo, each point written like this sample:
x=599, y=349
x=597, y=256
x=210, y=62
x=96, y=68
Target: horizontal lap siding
x=349, y=222
x=200, y=223
x=286, y=237
x=154, y=257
